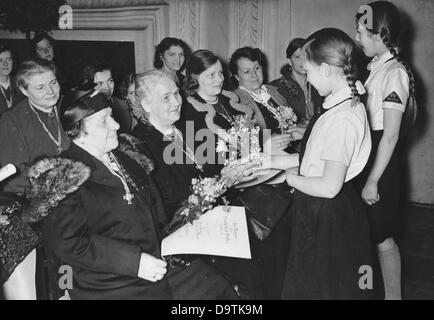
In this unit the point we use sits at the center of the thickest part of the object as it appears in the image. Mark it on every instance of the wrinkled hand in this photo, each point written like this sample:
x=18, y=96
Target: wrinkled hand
x=296, y=133
x=370, y=193
x=263, y=164
x=4, y=221
x=277, y=142
x=240, y=171
x=151, y=268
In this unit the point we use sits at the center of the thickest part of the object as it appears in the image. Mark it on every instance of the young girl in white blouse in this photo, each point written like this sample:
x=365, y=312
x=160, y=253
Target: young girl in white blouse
x=390, y=87
x=330, y=239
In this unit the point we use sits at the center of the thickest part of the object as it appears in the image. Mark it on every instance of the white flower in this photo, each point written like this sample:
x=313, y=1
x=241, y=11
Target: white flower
x=222, y=147
x=193, y=199
x=4, y=220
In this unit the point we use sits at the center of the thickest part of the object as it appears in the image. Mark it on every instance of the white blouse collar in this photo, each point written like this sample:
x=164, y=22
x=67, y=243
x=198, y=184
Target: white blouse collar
x=262, y=97
x=342, y=95
x=379, y=61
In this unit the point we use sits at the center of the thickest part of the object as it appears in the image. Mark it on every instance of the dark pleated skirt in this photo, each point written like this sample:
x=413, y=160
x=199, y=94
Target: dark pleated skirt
x=385, y=217
x=330, y=242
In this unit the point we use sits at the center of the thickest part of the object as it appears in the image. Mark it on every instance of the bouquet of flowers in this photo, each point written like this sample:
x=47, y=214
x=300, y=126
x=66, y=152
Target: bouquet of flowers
x=241, y=140
x=205, y=193
x=286, y=117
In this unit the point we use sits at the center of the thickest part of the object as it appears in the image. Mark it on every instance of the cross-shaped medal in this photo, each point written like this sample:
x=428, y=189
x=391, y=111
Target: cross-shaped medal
x=129, y=196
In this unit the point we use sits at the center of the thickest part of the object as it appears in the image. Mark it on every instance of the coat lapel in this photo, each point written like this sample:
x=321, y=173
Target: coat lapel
x=99, y=172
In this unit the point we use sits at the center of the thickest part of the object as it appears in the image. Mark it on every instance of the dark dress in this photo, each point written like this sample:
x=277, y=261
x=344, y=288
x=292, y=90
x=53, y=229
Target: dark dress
x=172, y=179
x=329, y=244
x=173, y=182
x=385, y=216
x=265, y=202
x=13, y=93
x=289, y=88
x=101, y=237
x=23, y=140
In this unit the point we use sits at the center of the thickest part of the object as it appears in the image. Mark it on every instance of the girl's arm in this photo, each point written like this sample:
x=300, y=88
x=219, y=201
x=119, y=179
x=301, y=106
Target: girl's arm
x=327, y=186
x=281, y=162
x=392, y=123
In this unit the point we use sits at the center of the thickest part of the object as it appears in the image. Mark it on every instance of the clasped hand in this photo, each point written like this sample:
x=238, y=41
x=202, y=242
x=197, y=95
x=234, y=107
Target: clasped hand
x=151, y=268
x=370, y=193
x=240, y=171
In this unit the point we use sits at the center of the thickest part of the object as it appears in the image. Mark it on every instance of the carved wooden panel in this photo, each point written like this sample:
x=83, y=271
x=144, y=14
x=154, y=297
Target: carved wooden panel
x=185, y=21
x=250, y=22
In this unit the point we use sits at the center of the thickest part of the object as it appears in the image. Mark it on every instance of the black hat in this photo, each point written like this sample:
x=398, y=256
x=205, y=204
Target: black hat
x=80, y=103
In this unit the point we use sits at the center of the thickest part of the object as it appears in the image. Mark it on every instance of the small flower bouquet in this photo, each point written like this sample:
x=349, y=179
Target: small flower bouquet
x=286, y=117
x=205, y=193
x=241, y=140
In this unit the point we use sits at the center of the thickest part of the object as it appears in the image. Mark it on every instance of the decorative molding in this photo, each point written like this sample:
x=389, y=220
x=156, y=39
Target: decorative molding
x=88, y=4
x=185, y=21
x=250, y=17
x=264, y=24
x=143, y=25
x=245, y=24
x=277, y=27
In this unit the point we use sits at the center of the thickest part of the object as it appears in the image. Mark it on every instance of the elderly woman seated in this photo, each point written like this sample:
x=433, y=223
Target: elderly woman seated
x=108, y=231
x=164, y=134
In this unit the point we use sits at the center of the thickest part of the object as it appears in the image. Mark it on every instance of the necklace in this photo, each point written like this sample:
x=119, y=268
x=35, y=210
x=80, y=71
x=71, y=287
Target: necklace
x=211, y=102
x=114, y=167
x=187, y=151
x=58, y=141
x=211, y=112
x=225, y=114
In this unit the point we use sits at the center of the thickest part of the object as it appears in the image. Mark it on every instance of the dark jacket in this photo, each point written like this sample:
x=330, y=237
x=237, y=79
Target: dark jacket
x=16, y=94
x=96, y=232
x=294, y=95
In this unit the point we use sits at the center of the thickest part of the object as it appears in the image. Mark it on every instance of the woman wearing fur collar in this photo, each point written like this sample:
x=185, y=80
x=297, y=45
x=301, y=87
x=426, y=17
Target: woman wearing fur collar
x=18, y=212
x=109, y=230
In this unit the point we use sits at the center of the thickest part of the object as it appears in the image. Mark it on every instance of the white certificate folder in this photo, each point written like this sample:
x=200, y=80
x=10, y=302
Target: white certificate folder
x=217, y=232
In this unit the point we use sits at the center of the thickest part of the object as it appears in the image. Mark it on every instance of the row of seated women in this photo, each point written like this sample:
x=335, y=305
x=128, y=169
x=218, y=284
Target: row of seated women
x=247, y=66
x=202, y=104
x=206, y=106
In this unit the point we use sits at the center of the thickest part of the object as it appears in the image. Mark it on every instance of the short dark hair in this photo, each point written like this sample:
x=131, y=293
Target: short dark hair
x=198, y=62
x=89, y=71
x=253, y=54
x=31, y=67
x=4, y=48
x=38, y=37
x=165, y=45
x=294, y=45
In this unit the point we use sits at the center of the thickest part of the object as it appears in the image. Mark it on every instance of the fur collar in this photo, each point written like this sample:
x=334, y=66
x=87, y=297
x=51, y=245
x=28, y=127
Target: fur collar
x=131, y=147
x=51, y=179
x=209, y=109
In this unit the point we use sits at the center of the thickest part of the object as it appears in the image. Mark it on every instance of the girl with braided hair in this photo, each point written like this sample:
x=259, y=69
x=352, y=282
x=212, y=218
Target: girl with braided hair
x=391, y=110
x=330, y=238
